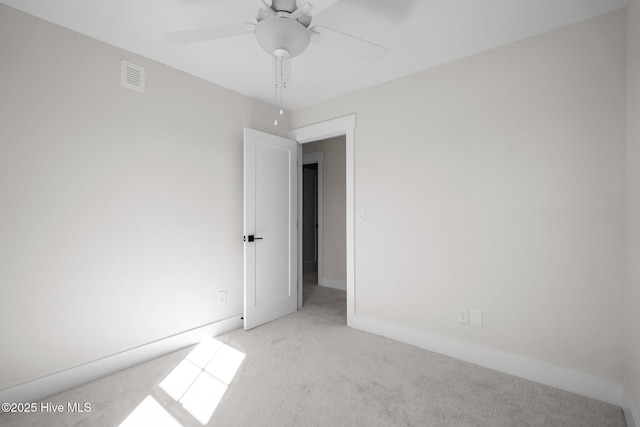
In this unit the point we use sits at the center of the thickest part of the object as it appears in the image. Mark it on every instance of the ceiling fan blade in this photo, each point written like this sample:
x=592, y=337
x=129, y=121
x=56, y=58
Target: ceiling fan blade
x=265, y=5
x=303, y=8
x=383, y=11
x=210, y=33
x=321, y=5
x=353, y=45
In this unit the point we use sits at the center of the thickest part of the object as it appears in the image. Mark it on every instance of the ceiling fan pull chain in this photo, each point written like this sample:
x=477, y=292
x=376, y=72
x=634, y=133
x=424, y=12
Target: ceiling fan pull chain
x=275, y=86
x=279, y=84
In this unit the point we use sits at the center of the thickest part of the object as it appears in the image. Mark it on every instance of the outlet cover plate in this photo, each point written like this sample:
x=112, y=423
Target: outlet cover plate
x=475, y=317
x=463, y=315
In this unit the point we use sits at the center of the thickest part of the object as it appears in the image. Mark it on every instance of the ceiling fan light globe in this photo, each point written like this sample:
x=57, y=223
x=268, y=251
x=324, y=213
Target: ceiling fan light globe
x=282, y=33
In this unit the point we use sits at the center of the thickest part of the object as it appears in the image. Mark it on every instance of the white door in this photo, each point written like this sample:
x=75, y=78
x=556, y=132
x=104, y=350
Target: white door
x=270, y=227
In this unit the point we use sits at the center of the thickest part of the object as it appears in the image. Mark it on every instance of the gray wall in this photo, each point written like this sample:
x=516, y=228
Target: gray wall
x=632, y=292
x=121, y=212
x=497, y=182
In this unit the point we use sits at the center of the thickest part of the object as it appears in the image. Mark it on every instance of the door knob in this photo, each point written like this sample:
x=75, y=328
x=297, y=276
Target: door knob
x=251, y=238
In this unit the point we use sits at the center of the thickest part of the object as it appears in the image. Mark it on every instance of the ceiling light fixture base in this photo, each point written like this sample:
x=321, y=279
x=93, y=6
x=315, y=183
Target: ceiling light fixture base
x=282, y=34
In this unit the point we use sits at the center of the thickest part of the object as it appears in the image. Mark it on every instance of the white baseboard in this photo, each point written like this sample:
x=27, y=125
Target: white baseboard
x=530, y=369
x=38, y=389
x=631, y=414
x=330, y=283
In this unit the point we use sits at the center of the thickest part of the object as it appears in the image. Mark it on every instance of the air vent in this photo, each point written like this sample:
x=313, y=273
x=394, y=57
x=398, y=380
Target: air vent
x=131, y=76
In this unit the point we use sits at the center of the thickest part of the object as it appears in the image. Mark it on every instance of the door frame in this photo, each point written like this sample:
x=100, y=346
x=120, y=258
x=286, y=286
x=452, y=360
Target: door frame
x=336, y=127
x=309, y=159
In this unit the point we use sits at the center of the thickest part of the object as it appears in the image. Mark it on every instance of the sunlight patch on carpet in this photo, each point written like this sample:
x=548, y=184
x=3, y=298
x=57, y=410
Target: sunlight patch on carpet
x=200, y=381
x=150, y=413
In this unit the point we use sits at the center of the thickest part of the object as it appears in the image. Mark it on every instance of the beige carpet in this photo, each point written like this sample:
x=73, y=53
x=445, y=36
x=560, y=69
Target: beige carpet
x=309, y=369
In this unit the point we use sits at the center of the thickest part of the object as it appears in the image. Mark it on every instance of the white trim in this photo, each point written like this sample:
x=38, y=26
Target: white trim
x=330, y=283
x=631, y=415
x=309, y=158
x=324, y=130
x=318, y=159
x=533, y=370
x=341, y=126
x=39, y=388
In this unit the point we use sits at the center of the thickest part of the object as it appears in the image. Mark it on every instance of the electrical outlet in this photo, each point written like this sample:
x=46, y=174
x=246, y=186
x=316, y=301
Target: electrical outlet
x=222, y=297
x=475, y=317
x=463, y=315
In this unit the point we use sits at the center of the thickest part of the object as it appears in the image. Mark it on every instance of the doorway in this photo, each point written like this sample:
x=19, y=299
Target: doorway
x=312, y=213
x=324, y=213
x=336, y=127
x=310, y=221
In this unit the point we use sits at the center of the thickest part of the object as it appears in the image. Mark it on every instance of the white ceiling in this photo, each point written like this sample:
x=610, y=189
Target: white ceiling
x=419, y=34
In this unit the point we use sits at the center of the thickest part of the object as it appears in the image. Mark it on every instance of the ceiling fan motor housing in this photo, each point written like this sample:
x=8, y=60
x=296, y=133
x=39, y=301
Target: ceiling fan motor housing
x=284, y=5
x=280, y=33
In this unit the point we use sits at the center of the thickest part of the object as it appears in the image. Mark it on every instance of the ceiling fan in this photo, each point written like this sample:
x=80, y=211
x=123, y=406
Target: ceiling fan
x=282, y=29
